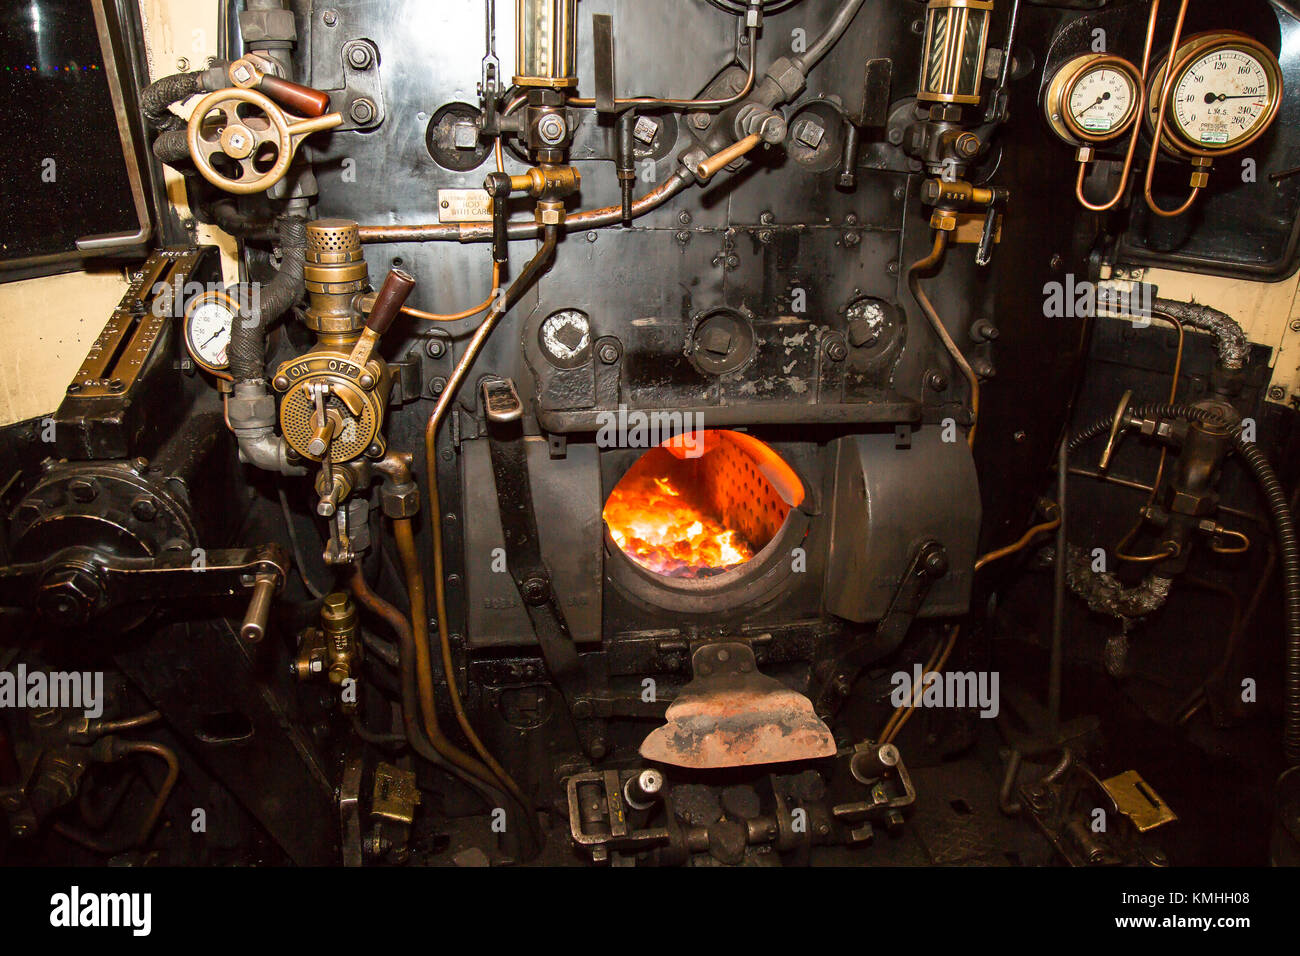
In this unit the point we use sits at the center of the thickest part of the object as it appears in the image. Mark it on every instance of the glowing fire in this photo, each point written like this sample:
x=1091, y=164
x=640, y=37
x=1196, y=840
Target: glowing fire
x=660, y=530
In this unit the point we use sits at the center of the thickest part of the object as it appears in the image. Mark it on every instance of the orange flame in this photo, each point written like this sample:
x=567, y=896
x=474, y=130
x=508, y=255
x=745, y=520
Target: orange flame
x=660, y=530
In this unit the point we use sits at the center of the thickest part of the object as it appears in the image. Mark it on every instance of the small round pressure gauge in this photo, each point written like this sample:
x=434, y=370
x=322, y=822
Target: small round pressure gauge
x=209, y=318
x=1093, y=98
x=1225, y=93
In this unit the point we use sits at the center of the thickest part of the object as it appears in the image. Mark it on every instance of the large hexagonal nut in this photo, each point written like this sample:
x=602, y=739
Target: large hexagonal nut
x=253, y=409
x=947, y=221
x=69, y=597
x=257, y=25
x=401, y=501
x=787, y=76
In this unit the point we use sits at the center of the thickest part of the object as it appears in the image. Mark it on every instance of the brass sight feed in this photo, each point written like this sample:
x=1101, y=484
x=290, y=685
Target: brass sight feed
x=335, y=274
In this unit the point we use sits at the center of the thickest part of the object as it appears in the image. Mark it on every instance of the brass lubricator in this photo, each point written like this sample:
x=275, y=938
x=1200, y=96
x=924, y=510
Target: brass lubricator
x=334, y=396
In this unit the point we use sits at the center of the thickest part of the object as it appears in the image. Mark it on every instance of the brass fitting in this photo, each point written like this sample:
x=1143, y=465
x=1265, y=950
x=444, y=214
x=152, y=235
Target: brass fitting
x=957, y=193
x=944, y=219
x=336, y=275
x=338, y=618
x=1201, y=172
x=547, y=182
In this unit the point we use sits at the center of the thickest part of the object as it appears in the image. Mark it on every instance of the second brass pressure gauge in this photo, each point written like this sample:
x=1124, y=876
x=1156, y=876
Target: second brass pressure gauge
x=1225, y=93
x=209, y=318
x=1093, y=98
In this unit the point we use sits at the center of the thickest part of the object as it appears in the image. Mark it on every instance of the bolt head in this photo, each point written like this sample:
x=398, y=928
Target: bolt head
x=436, y=348
x=359, y=56
x=144, y=508
x=69, y=596
x=552, y=129
x=83, y=489
x=362, y=111
x=936, y=563
x=535, y=591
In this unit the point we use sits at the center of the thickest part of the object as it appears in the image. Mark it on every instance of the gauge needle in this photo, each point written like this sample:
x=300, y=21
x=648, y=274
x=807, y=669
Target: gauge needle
x=1220, y=97
x=215, y=336
x=1097, y=102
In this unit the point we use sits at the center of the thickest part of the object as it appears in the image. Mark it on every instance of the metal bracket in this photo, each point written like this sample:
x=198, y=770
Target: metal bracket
x=531, y=575
x=361, y=99
x=602, y=33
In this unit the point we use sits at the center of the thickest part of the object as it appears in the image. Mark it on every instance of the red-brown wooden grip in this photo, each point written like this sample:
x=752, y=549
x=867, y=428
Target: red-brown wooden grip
x=295, y=97
x=392, y=296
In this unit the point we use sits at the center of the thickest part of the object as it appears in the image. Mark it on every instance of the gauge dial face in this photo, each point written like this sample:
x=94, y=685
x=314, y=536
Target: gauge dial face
x=1102, y=101
x=208, y=321
x=1222, y=98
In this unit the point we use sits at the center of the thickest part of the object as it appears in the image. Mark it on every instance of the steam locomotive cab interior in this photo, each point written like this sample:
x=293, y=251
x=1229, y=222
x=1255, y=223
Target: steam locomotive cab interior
x=650, y=433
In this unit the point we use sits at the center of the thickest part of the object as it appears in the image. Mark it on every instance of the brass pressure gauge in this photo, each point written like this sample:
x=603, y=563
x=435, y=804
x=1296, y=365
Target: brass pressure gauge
x=952, y=58
x=209, y=317
x=1093, y=98
x=1225, y=93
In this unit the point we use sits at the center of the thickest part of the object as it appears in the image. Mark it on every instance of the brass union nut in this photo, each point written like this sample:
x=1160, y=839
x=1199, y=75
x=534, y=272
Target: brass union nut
x=946, y=221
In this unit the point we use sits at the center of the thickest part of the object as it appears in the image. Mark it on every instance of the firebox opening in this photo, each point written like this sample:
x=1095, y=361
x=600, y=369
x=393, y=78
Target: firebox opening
x=701, y=504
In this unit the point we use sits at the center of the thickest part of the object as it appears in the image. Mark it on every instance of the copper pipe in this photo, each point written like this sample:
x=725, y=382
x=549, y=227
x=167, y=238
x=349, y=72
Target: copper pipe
x=165, y=791
x=535, y=267
x=122, y=749
x=1024, y=540
x=410, y=561
x=99, y=728
x=1165, y=89
x=1163, y=553
x=455, y=317
x=926, y=265
x=655, y=102
x=480, y=232
x=892, y=733
x=1137, y=127
x=462, y=765
x=709, y=167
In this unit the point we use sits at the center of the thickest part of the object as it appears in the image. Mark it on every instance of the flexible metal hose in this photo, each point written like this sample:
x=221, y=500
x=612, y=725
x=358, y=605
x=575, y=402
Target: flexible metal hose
x=1230, y=339
x=248, y=334
x=830, y=36
x=161, y=94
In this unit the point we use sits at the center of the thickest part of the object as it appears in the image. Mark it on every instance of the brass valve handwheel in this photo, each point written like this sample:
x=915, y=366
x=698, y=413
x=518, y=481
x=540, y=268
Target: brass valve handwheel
x=237, y=125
